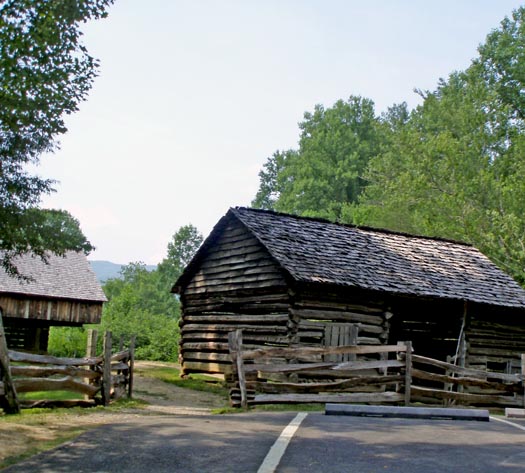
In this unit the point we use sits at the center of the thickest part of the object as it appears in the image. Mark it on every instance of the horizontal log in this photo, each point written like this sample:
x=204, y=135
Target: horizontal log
x=189, y=301
x=52, y=360
x=247, y=337
x=119, y=366
x=465, y=397
x=466, y=381
x=366, y=365
x=318, y=303
x=244, y=286
x=229, y=277
x=210, y=356
x=492, y=351
x=198, y=367
x=121, y=355
x=327, y=398
x=286, y=367
x=231, y=327
x=45, y=371
x=510, y=378
x=24, y=385
x=336, y=315
x=339, y=386
x=290, y=352
x=240, y=318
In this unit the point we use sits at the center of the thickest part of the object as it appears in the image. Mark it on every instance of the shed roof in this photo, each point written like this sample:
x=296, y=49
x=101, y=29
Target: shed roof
x=68, y=277
x=318, y=251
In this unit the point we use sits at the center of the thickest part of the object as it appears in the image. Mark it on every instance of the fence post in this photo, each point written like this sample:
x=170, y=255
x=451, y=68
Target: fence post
x=235, y=346
x=91, y=352
x=9, y=399
x=106, y=377
x=131, y=365
x=408, y=372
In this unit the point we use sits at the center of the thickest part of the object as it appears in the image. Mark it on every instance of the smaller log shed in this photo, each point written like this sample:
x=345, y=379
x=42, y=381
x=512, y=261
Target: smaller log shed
x=287, y=280
x=65, y=291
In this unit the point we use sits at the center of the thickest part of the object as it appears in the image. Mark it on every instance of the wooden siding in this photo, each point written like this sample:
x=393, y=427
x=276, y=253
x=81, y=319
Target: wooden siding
x=495, y=340
x=54, y=311
x=314, y=309
x=238, y=285
x=236, y=262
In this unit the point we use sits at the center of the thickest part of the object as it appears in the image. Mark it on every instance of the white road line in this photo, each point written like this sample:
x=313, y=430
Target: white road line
x=279, y=447
x=521, y=427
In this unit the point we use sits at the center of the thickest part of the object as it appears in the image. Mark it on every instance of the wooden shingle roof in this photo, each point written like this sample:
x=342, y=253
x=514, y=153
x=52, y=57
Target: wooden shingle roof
x=69, y=277
x=321, y=252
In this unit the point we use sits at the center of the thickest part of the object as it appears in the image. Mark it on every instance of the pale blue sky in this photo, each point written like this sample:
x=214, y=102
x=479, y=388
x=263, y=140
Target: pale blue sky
x=193, y=96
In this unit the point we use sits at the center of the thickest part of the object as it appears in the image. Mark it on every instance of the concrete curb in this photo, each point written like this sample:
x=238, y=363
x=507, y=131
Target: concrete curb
x=481, y=415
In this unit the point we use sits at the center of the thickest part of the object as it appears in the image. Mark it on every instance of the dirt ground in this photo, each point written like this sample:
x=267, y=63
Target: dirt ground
x=27, y=435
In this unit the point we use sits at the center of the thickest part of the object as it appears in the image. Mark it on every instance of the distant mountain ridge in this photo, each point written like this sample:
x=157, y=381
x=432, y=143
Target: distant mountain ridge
x=105, y=270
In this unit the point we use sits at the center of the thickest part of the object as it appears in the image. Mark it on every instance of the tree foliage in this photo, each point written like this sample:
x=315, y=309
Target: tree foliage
x=141, y=302
x=325, y=173
x=452, y=167
x=45, y=72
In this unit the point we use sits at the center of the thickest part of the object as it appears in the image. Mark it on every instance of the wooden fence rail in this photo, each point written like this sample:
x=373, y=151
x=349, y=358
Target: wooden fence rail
x=100, y=379
x=377, y=374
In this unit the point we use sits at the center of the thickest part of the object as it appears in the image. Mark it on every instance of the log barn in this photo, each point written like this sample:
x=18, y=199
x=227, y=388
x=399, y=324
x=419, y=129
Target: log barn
x=64, y=291
x=287, y=280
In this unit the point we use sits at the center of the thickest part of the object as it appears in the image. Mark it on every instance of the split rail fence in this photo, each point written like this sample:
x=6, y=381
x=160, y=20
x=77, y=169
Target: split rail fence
x=99, y=379
x=374, y=374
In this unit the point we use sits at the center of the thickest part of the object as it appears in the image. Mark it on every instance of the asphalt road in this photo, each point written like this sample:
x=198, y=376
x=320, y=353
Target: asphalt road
x=330, y=444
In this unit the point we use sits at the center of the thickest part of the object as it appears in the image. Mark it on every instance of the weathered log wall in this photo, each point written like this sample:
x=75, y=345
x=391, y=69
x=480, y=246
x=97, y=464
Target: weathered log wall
x=313, y=309
x=495, y=339
x=237, y=286
x=54, y=310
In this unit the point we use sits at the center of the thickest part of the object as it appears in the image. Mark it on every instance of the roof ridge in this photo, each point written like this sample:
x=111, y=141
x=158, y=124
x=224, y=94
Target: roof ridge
x=357, y=227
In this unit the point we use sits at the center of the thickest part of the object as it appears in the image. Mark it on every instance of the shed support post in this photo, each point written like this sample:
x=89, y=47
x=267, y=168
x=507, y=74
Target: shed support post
x=91, y=352
x=408, y=372
x=106, y=377
x=235, y=347
x=9, y=398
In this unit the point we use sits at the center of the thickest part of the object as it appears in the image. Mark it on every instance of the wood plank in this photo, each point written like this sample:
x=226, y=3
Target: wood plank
x=241, y=318
x=44, y=371
x=221, y=288
x=324, y=314
x=67, y=383
x=464, y=381
x=511, y=378
x=339, y=386
x=358, y=350
x=326, y=398
x=270, y=328
x=199, y=367
x=52, y=360
x=465, y=397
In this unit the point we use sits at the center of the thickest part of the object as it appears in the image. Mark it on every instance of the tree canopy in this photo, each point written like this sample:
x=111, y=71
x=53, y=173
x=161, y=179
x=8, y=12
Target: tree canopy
x=452, y=167
x=45, y=72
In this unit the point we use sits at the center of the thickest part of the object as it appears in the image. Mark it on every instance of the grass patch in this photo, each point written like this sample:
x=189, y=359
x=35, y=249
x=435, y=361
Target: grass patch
x=50, y=395
x=197, y=382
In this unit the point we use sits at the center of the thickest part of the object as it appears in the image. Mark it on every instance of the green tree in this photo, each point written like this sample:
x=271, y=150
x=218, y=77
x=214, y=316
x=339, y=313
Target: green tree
x=45, y=72
x=140, y=302
x=456, y=169
x=183, y=245
x=326, y=172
